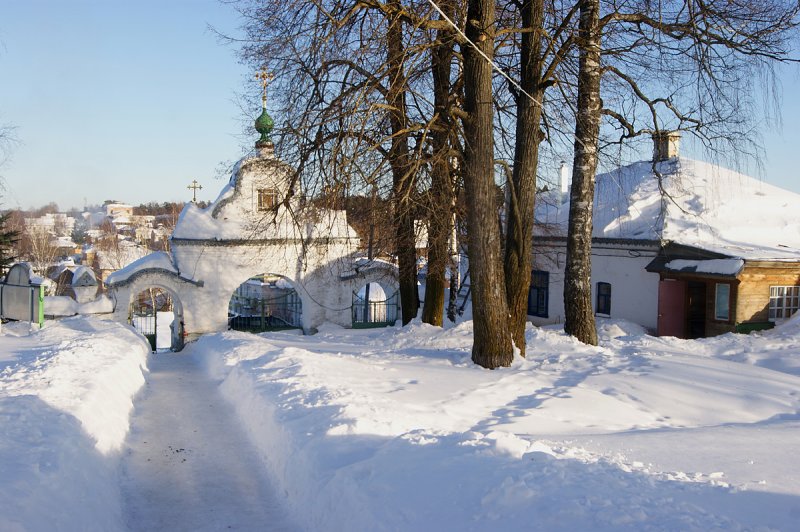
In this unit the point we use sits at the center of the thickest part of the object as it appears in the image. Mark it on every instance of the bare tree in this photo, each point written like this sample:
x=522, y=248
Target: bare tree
x=41, y=249
x=491, y=346
x=443, y=137
x=9, y=235
x=579, y=318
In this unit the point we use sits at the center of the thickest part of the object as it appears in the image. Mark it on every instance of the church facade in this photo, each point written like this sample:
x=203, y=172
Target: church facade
x=253, y=228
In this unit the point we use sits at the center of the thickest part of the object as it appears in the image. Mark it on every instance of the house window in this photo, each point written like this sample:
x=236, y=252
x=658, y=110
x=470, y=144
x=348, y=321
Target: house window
x=783, y=301
x=604, y=299
x=538, y=295
x=267, y=199
x=722, y=302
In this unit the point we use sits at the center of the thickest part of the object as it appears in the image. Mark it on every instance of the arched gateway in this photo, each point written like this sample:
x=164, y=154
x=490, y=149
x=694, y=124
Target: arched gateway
x=248, y=230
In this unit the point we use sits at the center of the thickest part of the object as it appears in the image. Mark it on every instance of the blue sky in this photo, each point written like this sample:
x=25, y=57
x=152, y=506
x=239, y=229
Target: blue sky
x=115, y=99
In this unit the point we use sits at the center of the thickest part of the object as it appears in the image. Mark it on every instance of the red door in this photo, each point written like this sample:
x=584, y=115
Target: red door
x=672, y=308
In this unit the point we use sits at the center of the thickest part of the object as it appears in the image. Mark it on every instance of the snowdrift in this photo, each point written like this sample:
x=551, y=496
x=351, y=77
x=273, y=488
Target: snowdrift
x=65, y=398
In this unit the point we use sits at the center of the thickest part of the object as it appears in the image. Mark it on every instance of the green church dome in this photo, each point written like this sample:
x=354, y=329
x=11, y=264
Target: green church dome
x=264, y=125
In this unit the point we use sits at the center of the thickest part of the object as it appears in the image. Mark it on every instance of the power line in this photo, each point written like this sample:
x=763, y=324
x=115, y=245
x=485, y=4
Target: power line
x=494, y=65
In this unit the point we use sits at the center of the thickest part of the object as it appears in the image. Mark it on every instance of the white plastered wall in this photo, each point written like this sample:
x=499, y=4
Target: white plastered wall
x=634, y=291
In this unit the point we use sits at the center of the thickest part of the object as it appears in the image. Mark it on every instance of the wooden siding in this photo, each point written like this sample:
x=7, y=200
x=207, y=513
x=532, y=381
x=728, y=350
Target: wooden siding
x=753, y=294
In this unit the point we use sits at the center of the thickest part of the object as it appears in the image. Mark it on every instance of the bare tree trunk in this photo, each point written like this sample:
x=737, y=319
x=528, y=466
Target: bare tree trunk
x=402, y=176
x=519, y=231
x=579, y=317
x=441, y=194
x=491, y=347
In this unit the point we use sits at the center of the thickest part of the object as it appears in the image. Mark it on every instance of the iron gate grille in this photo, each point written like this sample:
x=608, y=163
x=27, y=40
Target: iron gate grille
x=143, y=314
x=260, y=315
x=374, y=313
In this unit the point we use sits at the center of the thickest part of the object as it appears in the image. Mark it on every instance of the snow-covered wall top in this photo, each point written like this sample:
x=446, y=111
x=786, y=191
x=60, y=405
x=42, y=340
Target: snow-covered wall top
x=155, y=261
x=703, y=205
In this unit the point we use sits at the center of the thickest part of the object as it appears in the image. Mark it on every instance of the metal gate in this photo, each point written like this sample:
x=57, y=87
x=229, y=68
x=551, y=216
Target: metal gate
x=143, y=316
x=382, y=313
x=252, y=314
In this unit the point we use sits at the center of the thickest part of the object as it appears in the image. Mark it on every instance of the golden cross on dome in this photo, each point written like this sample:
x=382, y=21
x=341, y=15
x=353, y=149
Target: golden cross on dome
x=194, y=187
x=265, y=77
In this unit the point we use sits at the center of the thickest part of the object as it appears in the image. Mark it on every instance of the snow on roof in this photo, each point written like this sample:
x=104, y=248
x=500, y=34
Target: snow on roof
x=712, y=266
x=703, y=205
x=83, y=276
x=157, y=260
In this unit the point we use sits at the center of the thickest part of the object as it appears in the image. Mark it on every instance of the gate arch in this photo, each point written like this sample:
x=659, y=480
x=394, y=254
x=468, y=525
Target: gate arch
x=266, y=302
x=144, y=306
x=375, y=304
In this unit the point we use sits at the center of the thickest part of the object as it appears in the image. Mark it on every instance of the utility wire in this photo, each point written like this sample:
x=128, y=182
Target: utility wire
x=494, y=65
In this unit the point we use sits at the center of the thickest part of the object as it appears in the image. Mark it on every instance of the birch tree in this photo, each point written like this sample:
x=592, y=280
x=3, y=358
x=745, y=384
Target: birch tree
x=672, y=65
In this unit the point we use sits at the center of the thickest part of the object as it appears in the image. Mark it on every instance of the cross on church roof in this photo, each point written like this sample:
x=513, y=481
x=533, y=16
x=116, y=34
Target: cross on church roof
x=194, y=187
x=265, y=77
x=264, y=122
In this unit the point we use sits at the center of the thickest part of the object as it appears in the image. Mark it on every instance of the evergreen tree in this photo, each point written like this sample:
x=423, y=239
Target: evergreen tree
x=8, y=239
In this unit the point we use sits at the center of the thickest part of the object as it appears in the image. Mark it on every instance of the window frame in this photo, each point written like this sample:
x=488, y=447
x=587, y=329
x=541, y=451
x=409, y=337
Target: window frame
x=717, y=308
x=786, y=299
x=605, y=309
x=262, y=194
x=540, y=284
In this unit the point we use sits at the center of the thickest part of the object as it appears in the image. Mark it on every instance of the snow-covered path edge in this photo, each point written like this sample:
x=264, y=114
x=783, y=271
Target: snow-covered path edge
x=66, y=395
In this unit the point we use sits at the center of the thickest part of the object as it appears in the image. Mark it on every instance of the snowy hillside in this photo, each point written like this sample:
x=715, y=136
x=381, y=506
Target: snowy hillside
x=701, y=205
x=396, y=429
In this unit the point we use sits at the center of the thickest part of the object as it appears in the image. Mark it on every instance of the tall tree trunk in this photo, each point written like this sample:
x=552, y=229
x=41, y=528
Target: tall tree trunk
x=402, y=176
x=491, y=346
x=441, y=193
x=579, y=318
x=519, y=231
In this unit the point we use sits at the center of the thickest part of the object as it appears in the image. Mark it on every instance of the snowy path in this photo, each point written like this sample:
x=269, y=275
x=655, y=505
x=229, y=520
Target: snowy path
x=188, y=463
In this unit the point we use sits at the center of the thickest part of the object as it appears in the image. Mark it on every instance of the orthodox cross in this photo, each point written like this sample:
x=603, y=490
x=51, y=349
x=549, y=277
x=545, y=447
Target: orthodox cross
x=264, y=77
x=195, y=186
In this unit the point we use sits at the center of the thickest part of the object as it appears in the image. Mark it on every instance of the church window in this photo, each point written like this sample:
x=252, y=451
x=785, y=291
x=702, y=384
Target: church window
x=267, y=199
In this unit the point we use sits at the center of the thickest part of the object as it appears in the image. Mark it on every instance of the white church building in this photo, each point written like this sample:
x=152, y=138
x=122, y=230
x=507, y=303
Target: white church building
x=252, y=230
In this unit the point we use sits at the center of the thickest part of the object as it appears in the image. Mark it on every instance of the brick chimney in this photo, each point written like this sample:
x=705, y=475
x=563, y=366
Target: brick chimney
x=666, y=145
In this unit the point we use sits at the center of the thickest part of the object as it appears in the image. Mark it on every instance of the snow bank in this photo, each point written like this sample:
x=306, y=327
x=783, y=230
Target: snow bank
x=396, y=429
x=65, y=400
x=60, y=306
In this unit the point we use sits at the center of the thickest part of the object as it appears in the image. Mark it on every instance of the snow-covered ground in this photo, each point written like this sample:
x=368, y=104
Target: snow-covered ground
x=396, y=429
x=65, y=400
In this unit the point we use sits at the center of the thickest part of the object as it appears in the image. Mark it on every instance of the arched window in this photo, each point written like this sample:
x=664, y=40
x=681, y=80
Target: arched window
x=603, y=299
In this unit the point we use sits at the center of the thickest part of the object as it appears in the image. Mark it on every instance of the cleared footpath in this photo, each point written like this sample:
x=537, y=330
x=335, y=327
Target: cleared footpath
x=188, y=464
